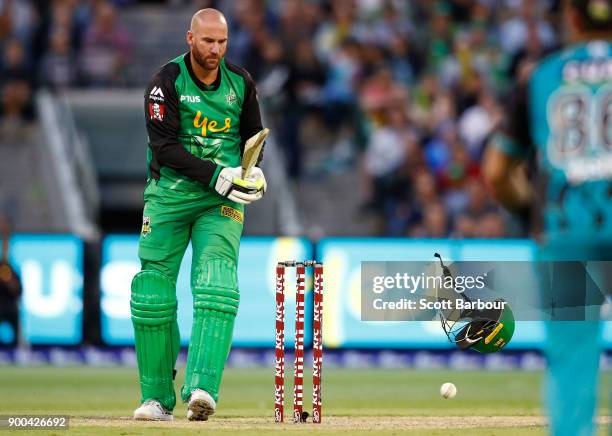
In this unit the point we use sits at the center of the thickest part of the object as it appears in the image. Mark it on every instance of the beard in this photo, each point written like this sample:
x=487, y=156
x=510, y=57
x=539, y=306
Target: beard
x=207, y=63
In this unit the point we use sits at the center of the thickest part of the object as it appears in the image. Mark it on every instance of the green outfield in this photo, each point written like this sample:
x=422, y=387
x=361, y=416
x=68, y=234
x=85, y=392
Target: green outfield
x=100, y=401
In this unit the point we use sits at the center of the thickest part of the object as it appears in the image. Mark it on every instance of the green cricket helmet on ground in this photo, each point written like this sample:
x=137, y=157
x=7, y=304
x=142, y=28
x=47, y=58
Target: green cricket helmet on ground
x=486, y=331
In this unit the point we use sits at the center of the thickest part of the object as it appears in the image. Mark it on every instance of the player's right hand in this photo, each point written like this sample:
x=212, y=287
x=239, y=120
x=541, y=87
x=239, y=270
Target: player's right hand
x=230, y=184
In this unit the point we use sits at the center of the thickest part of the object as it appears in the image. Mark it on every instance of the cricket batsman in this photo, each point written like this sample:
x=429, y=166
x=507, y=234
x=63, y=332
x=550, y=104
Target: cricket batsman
x=200, y=110
x=563, y=117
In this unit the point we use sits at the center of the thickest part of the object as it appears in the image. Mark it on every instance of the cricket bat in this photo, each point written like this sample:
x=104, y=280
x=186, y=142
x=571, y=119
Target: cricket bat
x=252, y=149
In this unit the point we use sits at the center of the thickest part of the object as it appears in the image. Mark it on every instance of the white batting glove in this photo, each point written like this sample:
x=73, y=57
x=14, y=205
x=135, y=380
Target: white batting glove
x=230, y=184
x=256, y=176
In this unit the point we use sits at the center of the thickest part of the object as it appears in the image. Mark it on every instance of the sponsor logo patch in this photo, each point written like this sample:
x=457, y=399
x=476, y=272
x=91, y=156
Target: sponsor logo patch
x=232, y=213
x=146, y=226
x=231, y=97
x=191, y=98
x=210, y=125
x=156, y=94
x=156, y=111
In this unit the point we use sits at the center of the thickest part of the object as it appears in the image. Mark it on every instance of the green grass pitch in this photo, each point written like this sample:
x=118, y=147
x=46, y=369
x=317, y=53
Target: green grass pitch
x=101, y=400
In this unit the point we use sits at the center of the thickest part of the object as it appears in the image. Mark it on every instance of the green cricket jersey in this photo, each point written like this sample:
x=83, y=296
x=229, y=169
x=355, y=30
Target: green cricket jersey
x=195, y=129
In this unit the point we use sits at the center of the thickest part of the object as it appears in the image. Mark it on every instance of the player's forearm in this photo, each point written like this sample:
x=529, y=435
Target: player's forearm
x=512, y=195
x=174, y=156
x=250, y=118
x=507, y=179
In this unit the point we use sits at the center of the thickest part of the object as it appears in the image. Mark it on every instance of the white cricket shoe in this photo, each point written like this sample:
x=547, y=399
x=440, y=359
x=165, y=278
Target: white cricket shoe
x=200, y=406
x=152, y=410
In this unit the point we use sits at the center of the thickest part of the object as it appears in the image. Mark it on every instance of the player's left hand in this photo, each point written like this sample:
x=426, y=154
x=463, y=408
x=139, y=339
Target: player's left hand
x=230, y=184
x=256, y=176
x=251, y=188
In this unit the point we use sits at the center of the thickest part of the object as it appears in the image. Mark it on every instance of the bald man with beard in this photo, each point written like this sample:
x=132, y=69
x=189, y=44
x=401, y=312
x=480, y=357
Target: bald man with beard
x=200, y=110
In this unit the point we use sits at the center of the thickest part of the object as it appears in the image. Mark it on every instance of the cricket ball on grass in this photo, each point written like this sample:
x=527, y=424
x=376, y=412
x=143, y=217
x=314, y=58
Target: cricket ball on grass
x=448, y=390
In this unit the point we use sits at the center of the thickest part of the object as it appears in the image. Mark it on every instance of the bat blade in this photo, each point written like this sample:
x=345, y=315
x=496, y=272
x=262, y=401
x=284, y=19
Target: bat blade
x=252, y=149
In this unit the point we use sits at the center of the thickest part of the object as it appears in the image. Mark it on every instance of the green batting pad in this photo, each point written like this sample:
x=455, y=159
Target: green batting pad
x=153, y=305
x=216, y=300
x=217, y=273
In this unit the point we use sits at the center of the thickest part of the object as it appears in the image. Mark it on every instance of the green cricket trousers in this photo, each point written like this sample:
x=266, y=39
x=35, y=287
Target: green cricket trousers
x=214, y=225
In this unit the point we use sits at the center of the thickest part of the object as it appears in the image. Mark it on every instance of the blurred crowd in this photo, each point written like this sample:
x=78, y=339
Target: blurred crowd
x=56, y=44
x=404, y=92
x=408, y=91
